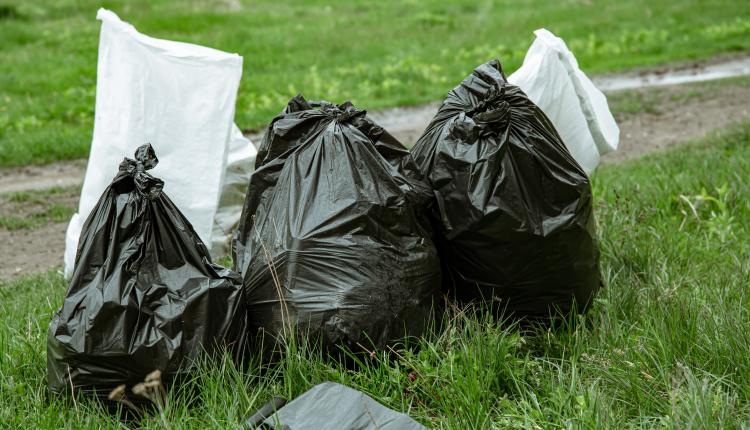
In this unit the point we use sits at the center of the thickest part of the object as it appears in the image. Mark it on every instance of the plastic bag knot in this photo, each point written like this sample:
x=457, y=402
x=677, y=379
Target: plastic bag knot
x=145, y=159
x=491, y=114
x=342, y=113
x=491, y=99
x=347, y=115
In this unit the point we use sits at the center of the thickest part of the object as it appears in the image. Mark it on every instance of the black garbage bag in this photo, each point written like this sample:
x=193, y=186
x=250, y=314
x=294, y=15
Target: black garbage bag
x=513, y=210
x=330, y=406
x=144, y=295
x=332, y=242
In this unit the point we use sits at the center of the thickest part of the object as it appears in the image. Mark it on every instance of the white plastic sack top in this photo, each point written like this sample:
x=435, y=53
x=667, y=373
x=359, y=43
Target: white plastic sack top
x=180, y=98
x=551, y=78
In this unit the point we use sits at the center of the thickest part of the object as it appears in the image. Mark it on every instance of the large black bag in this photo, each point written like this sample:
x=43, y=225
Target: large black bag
x=333, y=225
x=144, y=295
x=513, y=210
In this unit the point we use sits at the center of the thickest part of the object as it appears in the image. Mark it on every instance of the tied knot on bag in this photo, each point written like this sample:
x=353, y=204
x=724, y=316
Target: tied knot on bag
x=145, y=159
x=492, y=113
x=342, y=113
x=348, y=113
x=489, y=117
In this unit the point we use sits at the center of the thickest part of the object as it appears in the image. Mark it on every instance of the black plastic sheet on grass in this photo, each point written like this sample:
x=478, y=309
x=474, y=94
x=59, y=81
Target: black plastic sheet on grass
x=330, y=406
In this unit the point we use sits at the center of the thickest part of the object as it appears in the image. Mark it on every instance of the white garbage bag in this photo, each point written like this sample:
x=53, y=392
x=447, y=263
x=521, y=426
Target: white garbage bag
x=180, y=98
x=551, y=78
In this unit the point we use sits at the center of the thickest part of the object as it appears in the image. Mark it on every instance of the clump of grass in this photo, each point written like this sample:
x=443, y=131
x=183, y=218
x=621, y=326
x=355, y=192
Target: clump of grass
x=711, y=211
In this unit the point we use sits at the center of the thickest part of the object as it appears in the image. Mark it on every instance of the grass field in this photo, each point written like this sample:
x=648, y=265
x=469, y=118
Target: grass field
x=667, y=344
x=378, y=54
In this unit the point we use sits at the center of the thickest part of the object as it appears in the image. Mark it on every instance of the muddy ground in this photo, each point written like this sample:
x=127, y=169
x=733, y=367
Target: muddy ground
x=36, y=201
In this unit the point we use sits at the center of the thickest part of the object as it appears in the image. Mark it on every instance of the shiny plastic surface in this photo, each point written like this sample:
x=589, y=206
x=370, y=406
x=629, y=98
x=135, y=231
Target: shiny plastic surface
x=334, y=406
x=512, y=210
x=333, y=225
x=144, y=294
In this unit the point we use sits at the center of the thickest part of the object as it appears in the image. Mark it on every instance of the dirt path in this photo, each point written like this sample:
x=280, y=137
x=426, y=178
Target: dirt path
x=60, y=174
x=649, y=119
x=28, y=251
x=675, y=115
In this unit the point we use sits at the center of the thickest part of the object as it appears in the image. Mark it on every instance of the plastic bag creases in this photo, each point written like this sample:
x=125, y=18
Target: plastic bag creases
x=551, y=78
x=144, y=295
x=512, y=210
x=332, y=242
x=331, y=406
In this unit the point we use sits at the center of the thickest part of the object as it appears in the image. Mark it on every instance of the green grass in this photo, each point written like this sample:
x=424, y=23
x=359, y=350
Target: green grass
x=32, y=209
x=379, y=54
x=667, y=344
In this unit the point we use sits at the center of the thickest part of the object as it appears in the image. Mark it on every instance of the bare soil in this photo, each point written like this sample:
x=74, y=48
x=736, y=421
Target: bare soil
x=678, y=114
x=650, y=120
x=29, y=251
x=37, y=177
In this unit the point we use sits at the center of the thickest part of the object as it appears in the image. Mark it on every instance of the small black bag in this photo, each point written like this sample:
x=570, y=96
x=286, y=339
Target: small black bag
x=144, y=295
x=513, y=210
x=333, y=225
